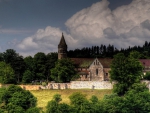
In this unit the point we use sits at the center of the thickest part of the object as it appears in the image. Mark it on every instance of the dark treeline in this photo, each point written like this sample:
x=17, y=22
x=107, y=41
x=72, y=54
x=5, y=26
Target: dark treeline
x=109, y=51
x=16, y=69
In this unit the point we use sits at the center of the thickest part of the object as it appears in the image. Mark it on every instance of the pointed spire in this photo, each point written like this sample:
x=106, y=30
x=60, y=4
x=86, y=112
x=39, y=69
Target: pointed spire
x=62, y=42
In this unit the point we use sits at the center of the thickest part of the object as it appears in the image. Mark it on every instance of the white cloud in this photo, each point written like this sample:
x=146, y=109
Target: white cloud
x=14, y=31
x=45, y=40
x=125, y=26
x=146, y=24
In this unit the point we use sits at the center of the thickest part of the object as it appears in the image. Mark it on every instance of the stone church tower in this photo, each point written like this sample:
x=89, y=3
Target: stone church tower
x=62, y=48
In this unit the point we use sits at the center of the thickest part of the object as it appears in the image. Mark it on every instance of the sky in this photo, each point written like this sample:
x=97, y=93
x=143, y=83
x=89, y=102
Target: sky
x=31, y=26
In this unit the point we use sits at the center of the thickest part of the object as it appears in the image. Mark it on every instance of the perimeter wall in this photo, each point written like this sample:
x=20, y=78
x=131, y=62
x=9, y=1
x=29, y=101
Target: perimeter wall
x=73, y=85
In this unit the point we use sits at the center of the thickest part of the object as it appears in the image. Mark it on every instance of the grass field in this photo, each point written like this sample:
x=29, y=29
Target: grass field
x=43, y=96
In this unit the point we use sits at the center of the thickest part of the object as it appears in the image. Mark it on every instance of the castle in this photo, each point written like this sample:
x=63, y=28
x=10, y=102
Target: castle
x=93, y=69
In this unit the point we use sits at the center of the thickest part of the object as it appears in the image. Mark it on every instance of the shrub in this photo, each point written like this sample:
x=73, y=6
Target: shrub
x=33, y=110
x=17, y=100
x=147, y=76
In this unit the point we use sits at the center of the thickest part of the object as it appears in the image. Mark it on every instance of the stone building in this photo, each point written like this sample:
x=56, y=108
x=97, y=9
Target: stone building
x=93, y=69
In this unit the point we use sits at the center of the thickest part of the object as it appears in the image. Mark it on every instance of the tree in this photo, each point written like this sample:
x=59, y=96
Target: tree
x=29, y=63
x=135, y=100
x=54, y=106
x=63, y=71
x=16, y=62
x=15, y=99
x=51, y=59
x=19, y=67
x=81, y=104
x=125, y=71
x=135, y=55
x=147, y=76
x=29, y=74
x=40, y=67
x=7, y=75
x=33, y=110
x=1, y=57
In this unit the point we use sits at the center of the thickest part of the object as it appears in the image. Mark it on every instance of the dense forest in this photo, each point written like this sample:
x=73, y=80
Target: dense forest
x=109, y=51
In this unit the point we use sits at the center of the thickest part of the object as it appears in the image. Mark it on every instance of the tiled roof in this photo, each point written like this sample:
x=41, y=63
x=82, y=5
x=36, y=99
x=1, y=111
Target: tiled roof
x=106, y=62
x=86, y=62
x=145, y=62
x=82, y=62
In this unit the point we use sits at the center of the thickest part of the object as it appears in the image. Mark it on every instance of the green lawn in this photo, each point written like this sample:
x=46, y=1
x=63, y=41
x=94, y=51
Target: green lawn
x=43, y=96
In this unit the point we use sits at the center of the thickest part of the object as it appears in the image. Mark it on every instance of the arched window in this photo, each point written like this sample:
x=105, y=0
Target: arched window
x=96, y=71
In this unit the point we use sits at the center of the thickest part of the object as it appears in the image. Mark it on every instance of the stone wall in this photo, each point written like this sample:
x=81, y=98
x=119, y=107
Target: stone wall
x=81, y=85
x=91, y=85
x=26, y=87
x=58, y=86
x=74, y=85
x=30, y=87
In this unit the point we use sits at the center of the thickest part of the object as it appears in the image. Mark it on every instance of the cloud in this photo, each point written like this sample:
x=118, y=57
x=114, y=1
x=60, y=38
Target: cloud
x=44, y=40
x=146, y=24
x=14, y=31
x=127, y=25
x=109, y=33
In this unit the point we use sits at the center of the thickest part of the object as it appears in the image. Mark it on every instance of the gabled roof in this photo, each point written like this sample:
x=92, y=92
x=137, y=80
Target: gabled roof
x=86, y=62
x=62, y=42
x=106, y=62
x=82, y=62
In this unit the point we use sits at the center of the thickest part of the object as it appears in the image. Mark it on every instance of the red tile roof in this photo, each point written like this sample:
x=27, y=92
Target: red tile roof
x=82, y=62
x=86, y=62
x=106, y=62
x=145, y=62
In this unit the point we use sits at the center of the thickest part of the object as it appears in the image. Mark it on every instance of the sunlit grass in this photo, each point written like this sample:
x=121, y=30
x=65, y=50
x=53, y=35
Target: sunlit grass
x=43, y=96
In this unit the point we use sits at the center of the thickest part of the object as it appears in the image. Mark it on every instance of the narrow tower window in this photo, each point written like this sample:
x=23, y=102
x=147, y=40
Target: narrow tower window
x=96, y=71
